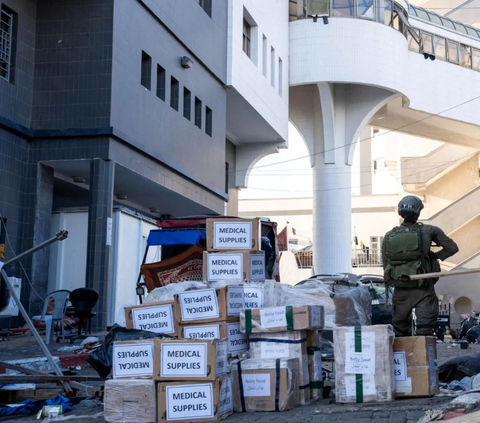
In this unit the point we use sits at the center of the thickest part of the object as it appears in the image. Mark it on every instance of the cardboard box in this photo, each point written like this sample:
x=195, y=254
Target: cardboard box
x=234, y=265
x=314, y=352
x=265, y=385
x=237, y=341
x=176, y=359
x=281, y=319
x=202, y=306
x=284, y=345
x=155, y=317
x=416, y=373
x=247, y=295
x=363, y=363
x=192, y=402
x=133, y=359
x=234, y=234
x=130, y=400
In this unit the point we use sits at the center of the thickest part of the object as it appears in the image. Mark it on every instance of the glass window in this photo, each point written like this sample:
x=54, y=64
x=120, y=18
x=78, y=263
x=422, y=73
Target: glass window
x=465, y=56
x=161, y=83
x=6, y=43
x=388, y=12
x=366, y=9
x=472, y=32
x=440, y=49
x=343, y=8
x=427, y=41
x=435, y=19
x=247, y=31
x=476, y=59
x=146, y=71
x=412, y=11
x=208, y=121
x=206, y=5
x=412, y=43
x=318, y=8
x=198, y=112
x=174, y=93
x=422, y=14
x=459, y=27
x=448, y=23
x=452, y=48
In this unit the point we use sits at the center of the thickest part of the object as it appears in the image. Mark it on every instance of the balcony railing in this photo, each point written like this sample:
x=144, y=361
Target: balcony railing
x=360, y=258
x=366, y=257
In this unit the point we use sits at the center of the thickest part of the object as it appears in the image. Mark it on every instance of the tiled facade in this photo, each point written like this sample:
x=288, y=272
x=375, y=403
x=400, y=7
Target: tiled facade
x=75, y=101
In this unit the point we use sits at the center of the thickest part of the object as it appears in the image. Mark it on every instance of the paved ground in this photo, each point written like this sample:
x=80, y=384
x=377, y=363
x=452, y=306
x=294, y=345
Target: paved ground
x=324, y=411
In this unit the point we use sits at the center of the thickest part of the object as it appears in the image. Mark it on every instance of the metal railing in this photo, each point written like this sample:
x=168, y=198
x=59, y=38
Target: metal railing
x=304, y=259
x=360, y=258
x=366, y=257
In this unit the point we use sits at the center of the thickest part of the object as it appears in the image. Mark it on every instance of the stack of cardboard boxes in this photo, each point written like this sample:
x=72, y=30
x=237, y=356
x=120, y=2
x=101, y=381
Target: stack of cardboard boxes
x=277, y=377
x=191, y=368
x=371, y=365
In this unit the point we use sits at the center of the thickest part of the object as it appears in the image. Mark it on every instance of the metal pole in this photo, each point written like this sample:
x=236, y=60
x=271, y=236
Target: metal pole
x=59, y=237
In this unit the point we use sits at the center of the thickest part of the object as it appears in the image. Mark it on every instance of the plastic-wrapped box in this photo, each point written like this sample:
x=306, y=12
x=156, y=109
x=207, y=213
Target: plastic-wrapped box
x=314, y=352
x=284, y=345
x=364, y=369
x=167, y=292
x=416, y=373
x=353, y=307
x=265, y=385
x=130, y=400
x=195, y=401
x=280, y=319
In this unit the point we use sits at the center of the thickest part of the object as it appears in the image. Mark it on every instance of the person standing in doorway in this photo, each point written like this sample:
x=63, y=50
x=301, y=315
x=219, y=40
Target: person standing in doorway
x=406, y=251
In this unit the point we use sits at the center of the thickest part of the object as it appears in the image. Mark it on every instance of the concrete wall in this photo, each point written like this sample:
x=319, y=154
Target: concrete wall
x=268, y=18
x=148, y=122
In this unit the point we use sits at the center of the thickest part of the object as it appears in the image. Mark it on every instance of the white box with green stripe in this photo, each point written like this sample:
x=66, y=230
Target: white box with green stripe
x=364, y=370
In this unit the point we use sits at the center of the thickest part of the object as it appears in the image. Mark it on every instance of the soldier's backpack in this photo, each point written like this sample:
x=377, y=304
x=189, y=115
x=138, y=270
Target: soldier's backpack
x=404, y=257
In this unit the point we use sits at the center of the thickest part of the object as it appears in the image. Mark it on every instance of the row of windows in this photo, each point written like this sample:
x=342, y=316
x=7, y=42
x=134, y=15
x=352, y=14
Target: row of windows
x=161, y=91
x=446, y=50
x=249, y=40
x=6, y=42
x=392, y=14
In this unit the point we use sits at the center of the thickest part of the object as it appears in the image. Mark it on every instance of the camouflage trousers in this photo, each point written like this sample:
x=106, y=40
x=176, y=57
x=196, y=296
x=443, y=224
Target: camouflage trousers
x=425, y=303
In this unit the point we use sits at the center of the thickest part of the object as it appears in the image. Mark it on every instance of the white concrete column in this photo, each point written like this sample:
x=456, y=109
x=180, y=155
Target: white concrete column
x=331, y=118
x=332, y=208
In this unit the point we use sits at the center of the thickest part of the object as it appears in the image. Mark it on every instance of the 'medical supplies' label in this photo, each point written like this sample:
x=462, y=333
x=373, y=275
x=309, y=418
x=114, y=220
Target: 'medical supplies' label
x=222, y=266
x=257, y=267
x=185, y=402
x=133, y=360
x=158, y=318
x=239, y=297
x=237, y=341
x=232, y=235
x=184, y=360
x=199, y=305
x=202, y=332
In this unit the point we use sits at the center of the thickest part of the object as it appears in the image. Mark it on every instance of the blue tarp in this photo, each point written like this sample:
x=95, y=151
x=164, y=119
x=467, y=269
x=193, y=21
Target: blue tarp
x=176, y=237
x=30, y=406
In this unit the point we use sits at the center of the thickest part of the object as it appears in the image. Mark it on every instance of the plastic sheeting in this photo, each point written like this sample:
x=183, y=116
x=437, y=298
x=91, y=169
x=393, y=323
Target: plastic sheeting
x=347, y=306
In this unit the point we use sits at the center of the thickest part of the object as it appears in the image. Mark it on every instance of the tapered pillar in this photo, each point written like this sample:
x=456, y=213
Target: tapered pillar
x=99, y=237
